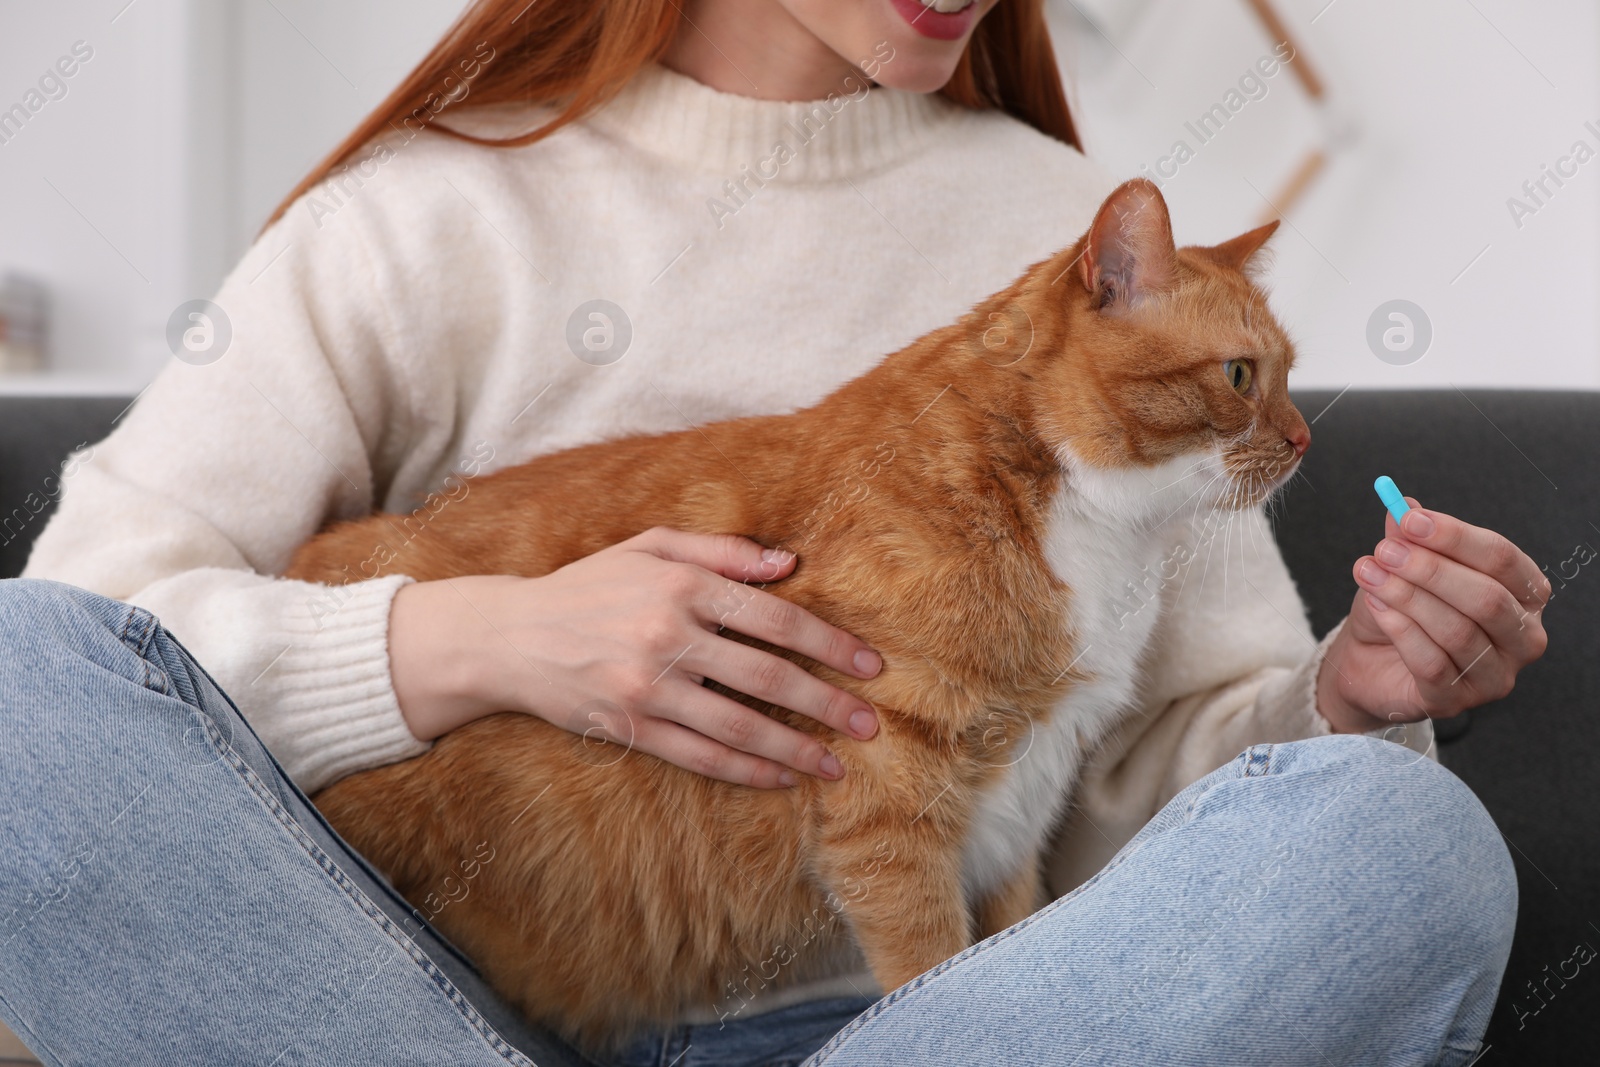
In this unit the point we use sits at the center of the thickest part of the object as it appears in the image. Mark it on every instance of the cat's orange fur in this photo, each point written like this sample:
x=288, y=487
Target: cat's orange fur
x=916, y=497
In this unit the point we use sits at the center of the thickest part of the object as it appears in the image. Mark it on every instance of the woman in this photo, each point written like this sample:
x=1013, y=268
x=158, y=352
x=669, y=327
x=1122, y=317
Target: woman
x=575, y=220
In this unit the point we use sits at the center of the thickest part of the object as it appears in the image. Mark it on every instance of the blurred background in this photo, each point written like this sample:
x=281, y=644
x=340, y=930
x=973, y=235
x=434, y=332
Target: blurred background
x=1435, y=160
x=1396, y=143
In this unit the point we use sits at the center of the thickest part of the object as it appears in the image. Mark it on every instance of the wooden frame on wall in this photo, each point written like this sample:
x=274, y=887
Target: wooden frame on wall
x=1313, y=162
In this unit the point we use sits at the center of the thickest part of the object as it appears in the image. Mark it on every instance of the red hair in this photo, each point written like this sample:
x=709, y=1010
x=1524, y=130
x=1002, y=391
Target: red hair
x=577, y=54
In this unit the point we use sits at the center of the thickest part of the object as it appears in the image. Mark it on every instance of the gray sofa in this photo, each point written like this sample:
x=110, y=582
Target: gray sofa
x=1525, y=463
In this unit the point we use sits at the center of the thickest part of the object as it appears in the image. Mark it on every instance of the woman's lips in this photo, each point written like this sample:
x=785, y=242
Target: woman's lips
x=935, y=24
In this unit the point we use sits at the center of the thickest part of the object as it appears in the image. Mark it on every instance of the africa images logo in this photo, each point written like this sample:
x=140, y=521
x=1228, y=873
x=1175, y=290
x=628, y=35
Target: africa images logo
x=599, y=332
x=1399, y=332
x=198, y=332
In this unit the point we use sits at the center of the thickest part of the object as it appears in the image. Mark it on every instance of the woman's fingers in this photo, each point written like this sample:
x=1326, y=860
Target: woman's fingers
x=746, y=730
x=1438, y=644
x=739, y=742
x=1431, y=668
x=704, y=587
x=1447, y=615
x=1478, y=549
x=778, y=681
x=755, y=612
x=694, y=751
x=1484, y=601
x=779, y=622
x=731, y=556
x=1455, y=634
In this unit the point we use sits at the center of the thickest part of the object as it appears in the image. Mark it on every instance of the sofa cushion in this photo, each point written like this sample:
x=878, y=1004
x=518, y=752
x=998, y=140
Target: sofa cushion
x=1523, y=463
x=36, y=433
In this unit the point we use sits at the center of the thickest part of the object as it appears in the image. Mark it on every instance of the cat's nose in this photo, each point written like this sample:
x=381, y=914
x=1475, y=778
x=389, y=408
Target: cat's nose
x=1300, y=440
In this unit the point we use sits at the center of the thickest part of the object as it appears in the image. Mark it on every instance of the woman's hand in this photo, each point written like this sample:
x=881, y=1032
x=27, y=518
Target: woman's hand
x=616, y=646
x=1447, y=616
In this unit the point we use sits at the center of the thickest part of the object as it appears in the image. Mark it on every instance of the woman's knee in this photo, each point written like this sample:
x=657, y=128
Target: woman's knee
x=1413, y=840
x=36, y=611
x=69, y=656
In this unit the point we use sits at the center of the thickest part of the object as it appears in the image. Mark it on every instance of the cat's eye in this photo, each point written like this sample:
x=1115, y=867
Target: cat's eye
x=1239, y=375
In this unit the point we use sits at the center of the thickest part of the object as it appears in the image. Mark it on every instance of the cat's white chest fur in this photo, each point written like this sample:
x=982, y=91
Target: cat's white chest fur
x=1107, y=533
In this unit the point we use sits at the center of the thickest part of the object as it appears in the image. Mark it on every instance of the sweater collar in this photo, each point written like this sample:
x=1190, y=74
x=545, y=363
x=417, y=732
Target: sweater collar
x=674, y=116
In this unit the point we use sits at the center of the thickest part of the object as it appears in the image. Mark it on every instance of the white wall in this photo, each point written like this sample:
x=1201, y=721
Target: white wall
x=91, y=193
x=195, y=116
x=309, y=71
x=1447, y=111
x=190, y=122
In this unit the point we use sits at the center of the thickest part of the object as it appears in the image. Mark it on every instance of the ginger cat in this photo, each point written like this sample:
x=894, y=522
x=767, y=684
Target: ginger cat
x=971, y=508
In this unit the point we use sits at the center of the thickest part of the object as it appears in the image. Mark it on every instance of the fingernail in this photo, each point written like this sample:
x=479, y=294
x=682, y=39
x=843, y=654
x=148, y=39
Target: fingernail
x=863, y=723
x=1372, y=574
x=831, y=767
x=1393, y=552
x=786, y=778
x=1375, y=604
x=1417, y=524
x=778, y=556
x=867, y=663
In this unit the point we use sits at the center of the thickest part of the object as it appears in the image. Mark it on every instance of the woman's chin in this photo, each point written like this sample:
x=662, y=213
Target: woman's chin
x=918, y=74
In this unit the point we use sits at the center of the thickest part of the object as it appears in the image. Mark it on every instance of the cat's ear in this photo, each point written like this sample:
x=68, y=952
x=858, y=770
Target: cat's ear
x=1236, y=254
x=1129, y=252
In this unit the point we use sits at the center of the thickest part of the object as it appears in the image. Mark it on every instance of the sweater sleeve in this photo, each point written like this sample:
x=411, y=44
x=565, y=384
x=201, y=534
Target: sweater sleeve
x=1231, y=663
x=219, y=471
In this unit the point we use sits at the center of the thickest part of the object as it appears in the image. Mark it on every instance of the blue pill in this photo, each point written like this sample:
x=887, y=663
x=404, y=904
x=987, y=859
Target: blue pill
x=1392, y=498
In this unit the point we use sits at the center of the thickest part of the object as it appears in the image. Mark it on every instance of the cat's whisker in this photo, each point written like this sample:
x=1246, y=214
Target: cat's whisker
x=1189, y=565
x=1180, y=479
x=1253, y=547
x=1254, y=544
x=1227, y=543
x=1226, y=477
x=1211, y=545
x=1234, y=519
x=1276, y=503
x=1182, y=503
x=1198, y=462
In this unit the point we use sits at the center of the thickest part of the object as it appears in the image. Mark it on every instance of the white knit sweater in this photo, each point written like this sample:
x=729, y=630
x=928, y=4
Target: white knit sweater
x=411, y=317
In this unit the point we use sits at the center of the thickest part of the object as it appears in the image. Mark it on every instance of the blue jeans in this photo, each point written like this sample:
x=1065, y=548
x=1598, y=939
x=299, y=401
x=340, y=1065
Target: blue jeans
x=167, y=895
